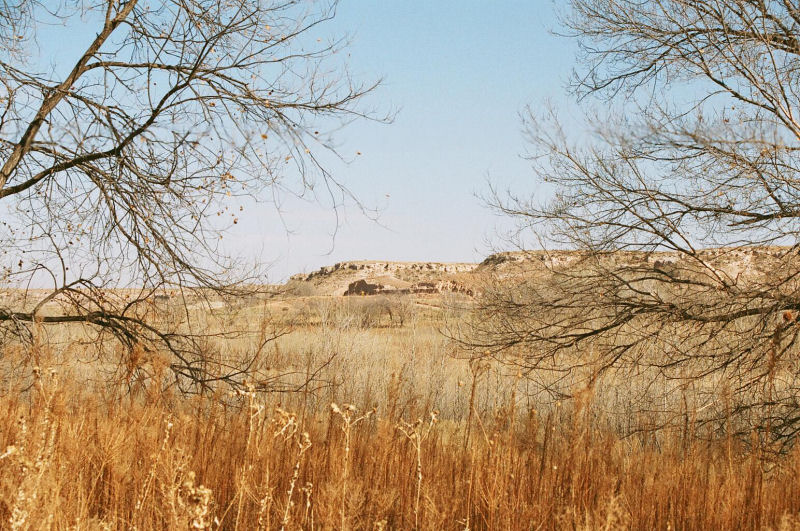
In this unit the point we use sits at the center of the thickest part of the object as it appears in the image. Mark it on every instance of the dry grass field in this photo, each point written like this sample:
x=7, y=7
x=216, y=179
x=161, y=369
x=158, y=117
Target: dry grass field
x=362, y=416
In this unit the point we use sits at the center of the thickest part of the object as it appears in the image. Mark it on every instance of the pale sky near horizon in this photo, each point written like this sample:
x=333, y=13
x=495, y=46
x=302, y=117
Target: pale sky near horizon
x=458, y=73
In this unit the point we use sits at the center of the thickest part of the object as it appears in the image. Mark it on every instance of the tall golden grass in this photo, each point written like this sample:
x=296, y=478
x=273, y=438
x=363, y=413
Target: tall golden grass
x=478, y=456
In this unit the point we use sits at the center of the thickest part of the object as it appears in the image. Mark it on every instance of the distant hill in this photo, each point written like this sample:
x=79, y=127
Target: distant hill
x=469, y=279
x=374, y=277
x=384, y=277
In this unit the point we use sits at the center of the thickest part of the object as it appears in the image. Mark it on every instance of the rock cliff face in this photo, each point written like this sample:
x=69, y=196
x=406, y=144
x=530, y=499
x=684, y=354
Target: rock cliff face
x=362, y=287
x=387, y=268
x=730, y=259
x=384, y=277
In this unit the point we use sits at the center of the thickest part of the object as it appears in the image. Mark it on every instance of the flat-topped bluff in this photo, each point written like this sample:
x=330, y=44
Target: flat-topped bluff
x=376, y=277
x=364, y=277
x=729, y=255
x=387, y=267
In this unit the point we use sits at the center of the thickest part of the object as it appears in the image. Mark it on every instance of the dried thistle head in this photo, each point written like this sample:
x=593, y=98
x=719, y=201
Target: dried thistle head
x=305, y=441
x=10, y=450
x=285, y=423
x=196, y=503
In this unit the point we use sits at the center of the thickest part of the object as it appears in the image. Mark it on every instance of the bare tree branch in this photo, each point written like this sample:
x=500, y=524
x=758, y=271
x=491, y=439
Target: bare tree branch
x=126, y=168
x=682, y=207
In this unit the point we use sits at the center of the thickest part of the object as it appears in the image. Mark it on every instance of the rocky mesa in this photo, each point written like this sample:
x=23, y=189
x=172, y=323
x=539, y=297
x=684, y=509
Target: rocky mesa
x=365, y=277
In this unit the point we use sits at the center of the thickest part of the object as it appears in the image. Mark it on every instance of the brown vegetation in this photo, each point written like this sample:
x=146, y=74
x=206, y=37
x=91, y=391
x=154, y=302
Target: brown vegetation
x=73, y=460
x=430, y=442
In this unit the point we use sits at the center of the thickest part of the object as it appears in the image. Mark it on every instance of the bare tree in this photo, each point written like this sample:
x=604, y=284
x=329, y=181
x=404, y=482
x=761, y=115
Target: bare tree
x=682, y=204
x=125, y=167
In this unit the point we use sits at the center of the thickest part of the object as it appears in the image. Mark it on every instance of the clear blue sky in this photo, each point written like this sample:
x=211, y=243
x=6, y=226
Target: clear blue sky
x=459, y=73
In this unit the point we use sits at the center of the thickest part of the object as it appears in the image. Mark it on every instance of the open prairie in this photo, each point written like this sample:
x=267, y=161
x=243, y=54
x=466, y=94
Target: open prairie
x=360, y=412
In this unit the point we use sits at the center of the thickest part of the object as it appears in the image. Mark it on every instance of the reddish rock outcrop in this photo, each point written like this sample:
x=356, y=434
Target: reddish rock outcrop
x=362, y=287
